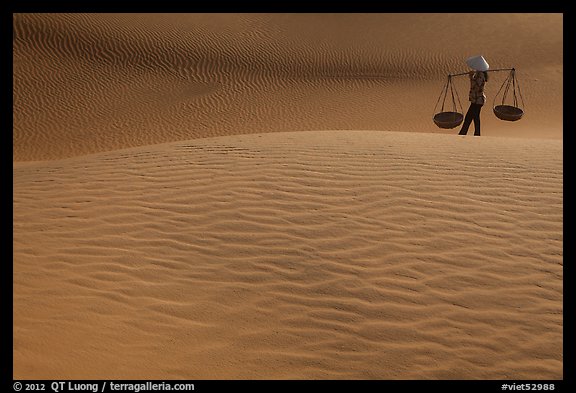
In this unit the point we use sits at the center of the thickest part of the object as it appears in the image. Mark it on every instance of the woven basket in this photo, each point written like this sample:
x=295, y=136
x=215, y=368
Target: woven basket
x=508, y=112
x=448, y=119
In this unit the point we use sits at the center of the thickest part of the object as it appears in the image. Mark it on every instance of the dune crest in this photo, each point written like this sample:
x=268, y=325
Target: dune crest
x=330, y=254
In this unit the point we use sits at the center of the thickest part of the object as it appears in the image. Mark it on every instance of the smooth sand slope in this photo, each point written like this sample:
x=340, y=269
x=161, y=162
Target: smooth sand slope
x=98, y=82
x=266, y=196
x=292, y=255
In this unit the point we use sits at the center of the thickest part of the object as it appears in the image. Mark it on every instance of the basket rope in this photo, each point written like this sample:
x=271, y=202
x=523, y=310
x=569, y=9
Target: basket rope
x=449, y=85
x=510, y=82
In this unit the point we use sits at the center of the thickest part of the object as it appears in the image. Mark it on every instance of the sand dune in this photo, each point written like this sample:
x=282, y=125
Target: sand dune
x=210, y=196
x=99, y=82
x=293, y=255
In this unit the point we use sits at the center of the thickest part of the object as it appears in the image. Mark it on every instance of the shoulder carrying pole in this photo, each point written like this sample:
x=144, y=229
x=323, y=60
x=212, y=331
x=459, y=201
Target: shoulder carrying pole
x=497, y=69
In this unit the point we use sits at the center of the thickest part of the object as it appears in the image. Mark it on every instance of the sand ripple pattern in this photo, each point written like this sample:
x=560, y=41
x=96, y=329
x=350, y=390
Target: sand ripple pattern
x=86, y=83
x=371, y=255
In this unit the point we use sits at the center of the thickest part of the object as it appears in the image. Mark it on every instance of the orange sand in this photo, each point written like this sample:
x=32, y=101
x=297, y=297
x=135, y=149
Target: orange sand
x=341, y=236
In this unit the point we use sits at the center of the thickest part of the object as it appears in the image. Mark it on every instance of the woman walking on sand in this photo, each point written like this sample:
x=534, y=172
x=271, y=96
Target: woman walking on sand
x=478, y=79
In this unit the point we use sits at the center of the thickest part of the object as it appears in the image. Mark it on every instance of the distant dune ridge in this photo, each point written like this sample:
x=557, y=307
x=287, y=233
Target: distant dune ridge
x=232, y=196
x=85, y=83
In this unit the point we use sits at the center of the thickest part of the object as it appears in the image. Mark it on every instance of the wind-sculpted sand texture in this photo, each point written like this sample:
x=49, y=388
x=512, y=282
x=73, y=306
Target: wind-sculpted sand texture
x=86, y=83
x=302, y=255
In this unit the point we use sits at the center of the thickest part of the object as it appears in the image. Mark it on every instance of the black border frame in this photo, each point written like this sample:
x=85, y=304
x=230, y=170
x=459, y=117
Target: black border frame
x=419, y=6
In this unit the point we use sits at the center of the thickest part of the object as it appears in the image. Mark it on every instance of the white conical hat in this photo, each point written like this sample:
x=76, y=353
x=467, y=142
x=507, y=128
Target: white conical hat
x=478, y=63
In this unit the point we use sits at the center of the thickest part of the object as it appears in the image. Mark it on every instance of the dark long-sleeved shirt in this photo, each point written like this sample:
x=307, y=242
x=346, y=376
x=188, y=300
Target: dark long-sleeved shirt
x=477, y=82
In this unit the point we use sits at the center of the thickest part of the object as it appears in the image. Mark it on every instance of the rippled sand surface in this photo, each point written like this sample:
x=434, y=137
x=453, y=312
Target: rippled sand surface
x=239, y=196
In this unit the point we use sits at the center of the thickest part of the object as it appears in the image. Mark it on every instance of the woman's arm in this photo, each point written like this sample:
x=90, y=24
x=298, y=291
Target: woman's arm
x=477, y=77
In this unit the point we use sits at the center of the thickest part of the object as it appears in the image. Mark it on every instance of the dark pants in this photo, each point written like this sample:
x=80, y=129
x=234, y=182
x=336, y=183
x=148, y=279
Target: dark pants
x=472, y=114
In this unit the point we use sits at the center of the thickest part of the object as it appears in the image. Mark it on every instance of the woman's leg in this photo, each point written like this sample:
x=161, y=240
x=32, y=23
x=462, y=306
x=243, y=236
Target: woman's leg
x=467, y=120
x=477, y=120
